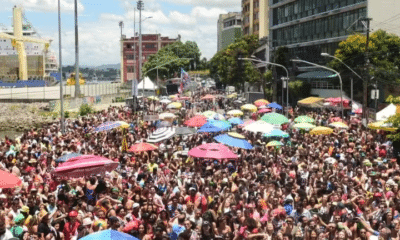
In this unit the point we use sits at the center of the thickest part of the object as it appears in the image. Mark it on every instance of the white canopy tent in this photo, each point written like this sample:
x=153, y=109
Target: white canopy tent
x=148, y=84
x=387, y=112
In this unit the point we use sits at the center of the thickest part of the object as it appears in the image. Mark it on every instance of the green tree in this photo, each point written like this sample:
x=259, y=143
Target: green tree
x=395, y=120
x=169, y=53
x=299, y=89
x=226, y=67
x=384, y=58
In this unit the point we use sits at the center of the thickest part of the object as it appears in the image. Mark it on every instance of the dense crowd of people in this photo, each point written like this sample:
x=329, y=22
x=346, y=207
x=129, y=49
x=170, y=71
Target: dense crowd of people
x=339, y=186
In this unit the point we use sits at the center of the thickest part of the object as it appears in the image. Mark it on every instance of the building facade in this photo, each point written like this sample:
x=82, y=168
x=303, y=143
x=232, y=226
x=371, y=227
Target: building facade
x=255, y=17
x=229, y=29
x=151, y=44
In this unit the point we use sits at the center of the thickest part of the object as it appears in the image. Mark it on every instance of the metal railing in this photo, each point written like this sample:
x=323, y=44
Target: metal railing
x=32, y=94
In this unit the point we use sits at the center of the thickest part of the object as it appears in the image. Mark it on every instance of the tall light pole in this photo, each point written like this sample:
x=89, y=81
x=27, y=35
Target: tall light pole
x=287, y=78
x=77, y=90
x=140, y=7
x=121, y=25
x=60, y=70
x=330, y=69
x=340, y=60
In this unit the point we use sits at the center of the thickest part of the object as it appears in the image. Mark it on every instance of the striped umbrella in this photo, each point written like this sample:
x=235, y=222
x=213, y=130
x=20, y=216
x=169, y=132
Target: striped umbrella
x=108, y=126
x=161, y=134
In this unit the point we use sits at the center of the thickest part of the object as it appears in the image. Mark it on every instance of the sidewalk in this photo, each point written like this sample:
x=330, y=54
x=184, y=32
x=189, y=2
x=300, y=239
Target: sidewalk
x=100, y=107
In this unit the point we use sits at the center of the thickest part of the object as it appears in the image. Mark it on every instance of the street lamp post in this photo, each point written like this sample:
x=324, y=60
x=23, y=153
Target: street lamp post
x=60, y=66
x=287, y=79
x=77, y=87
x=330, y=69
x=340, y=60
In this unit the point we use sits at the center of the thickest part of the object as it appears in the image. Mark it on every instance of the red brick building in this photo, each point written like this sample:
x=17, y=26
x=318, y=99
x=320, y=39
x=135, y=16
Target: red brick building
x=151, y=44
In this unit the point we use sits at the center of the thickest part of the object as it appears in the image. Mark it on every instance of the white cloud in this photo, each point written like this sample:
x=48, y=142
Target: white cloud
x=46, y=5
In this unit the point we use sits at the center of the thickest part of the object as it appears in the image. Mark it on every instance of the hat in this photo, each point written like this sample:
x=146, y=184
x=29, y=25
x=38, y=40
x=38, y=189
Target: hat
x=135, y=205
x=192, y=188
x=73, y=214
x=24, y=209
x=32, y=160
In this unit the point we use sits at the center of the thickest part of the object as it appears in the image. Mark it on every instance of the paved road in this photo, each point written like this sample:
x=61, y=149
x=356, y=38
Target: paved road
x=50, y=93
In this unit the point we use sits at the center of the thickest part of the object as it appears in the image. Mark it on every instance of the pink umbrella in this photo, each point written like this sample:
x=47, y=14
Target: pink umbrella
x=358, y=111
x=246, y=123
x=85, y=165
x=264, y=110
x=212, y=151
x=329, y=99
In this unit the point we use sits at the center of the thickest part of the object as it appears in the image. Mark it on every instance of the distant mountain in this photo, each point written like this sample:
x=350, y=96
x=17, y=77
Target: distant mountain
x=106, y=66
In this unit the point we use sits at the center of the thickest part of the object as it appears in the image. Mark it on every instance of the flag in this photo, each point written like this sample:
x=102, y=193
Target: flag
x=185, y=80
x=124, y=145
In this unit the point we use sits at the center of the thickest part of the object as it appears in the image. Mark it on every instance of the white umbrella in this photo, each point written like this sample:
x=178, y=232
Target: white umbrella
x=166, y=101
x=217, y=116
x=259, y=126
x=167, y=115
x=161, y=134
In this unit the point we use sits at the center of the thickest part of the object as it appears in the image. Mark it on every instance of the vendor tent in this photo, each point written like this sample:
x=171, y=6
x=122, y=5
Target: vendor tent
x=387, y=112
x=148, y=84
x=313, y=102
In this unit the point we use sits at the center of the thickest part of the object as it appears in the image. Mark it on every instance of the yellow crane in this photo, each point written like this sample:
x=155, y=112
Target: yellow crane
x=18, y=41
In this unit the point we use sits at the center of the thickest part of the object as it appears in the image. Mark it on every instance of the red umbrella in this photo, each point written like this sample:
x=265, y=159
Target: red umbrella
x=212, y=151
x=85, y=165
x=208, y=97
x=264, y=110
x=197, y=121
x=8, y=180
x=142, y=147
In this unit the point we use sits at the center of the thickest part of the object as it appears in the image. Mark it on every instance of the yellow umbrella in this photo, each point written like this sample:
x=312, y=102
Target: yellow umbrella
x=274, y=144
x=233, y=95
x=173, y=96
x=261, y=102
x=209, y=114
x=236, y=135
x=339, y=125
x=235, y=113
x=321, y=130
x=154, y=98
x=249, y=107
x=174, y=105
x=381, y=125
x=167, y=115
x=123, y=124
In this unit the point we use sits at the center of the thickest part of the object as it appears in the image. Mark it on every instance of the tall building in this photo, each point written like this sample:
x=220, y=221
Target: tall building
x=256, y=17
x=229, y=29
x=151, y=43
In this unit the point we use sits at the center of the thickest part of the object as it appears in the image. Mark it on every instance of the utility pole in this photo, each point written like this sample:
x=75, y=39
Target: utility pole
x=60, y=66
x=140, y=8
x=135, y=61
x=365, y=82
x=77, y=89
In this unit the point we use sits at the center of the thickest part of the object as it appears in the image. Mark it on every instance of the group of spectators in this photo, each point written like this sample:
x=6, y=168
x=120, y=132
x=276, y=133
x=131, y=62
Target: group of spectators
x=339, y=186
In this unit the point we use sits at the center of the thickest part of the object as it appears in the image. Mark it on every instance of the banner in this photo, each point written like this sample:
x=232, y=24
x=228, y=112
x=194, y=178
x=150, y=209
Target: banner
x=135, y=88
x=185, y=80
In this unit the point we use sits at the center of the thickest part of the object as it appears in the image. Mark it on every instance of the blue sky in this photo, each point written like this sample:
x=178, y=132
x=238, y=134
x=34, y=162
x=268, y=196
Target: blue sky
x=194, y=20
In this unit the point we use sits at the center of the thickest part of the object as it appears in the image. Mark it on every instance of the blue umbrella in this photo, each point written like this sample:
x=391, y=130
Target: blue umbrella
x=225, y=125
x=107, y=126
x=233, y=142
x=208, y=127
x=236, y=121
x=109, y=234
x=275, y=105
x=68, y=156
x=161, y=124
x=276, y=133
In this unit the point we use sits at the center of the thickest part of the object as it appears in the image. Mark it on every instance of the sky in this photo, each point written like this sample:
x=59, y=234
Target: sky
x=99, y=32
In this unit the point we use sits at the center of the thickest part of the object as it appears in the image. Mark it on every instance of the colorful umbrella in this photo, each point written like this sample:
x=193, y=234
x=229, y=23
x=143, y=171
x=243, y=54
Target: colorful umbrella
x=236, y=121
x=248, y=122
x=249, y=107
x=232, y=141
x=167, y=115
x=358, y=111
x=274, y=144
x=335, y=119
x=108, y=126
x=174, y=105
x=259, y=126
x=142, y=147
x=161, y=134
x=276, y=133
x=123, y=124
x=381, y=125
x=8, y=180
x=261, y=102
x=321, y=131
x=109, y=234
x=209, y=114
x=208, y=97
x=275, y=105
x=85, y=165
x=233, y=95
x=304, y=119
x=221, y=124
x=66, y=157
x=264, y=110
x=235, y=113
x=154, y=98
x=339, y=125
x=262, y=107
x=212, y=151
x=306, y=126
x=275, y=118
x=196, y=121
x=173, y=96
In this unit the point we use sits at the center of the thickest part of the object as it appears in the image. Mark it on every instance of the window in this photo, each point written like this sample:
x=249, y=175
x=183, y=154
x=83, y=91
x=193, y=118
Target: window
x=130, y=57
x=130, y=69
x=256, y=16
x=150, y=45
